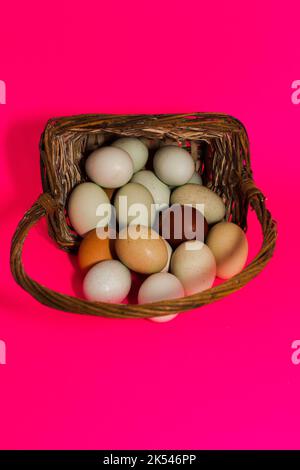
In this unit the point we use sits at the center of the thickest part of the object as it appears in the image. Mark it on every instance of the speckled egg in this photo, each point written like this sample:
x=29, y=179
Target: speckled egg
x=214, y=207
x=108, y=281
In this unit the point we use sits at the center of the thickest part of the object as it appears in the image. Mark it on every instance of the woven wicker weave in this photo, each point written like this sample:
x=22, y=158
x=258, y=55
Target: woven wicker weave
x=219, y=145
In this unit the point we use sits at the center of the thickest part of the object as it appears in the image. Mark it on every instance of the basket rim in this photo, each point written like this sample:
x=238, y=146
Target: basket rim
x=89, y=123
x=48, y=204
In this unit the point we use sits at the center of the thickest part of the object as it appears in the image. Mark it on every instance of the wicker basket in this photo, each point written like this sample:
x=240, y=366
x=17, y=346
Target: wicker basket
x=218, y=144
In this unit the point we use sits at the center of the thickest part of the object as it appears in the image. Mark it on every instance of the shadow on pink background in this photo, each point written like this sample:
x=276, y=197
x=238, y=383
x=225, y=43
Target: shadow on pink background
x=217, y=377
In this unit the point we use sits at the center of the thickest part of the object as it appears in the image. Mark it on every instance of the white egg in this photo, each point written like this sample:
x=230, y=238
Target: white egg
x=194, y=265
x=160, y=286
x=88, y=208
x=107, y=281
x=110, y=167
x=137, y=150
x=195, y=179
x=173, y=165
x=209, y=203
x=170, y=251
x=134, y=205
x=159, y=190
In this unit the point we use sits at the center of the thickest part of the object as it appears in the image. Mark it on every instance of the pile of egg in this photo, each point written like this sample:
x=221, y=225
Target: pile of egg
x=169, y=267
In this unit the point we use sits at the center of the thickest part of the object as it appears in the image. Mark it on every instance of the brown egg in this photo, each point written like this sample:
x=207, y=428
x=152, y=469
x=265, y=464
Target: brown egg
x=180, y=223
x=229, y=245
x=93, y=249
x=141, y=249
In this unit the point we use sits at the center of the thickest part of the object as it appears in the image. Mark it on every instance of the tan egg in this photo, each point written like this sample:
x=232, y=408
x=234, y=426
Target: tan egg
x=194, y=265
x=94, y=249
x=229, y=245
x=134, y=205
x=213, y=206
x=141, y=249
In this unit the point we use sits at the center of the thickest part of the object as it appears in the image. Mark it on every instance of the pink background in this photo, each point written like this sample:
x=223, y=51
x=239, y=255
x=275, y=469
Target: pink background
x=219, y=377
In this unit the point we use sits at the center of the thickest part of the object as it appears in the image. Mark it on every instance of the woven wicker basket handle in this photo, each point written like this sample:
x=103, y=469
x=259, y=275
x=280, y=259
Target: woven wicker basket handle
x=46, y=205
